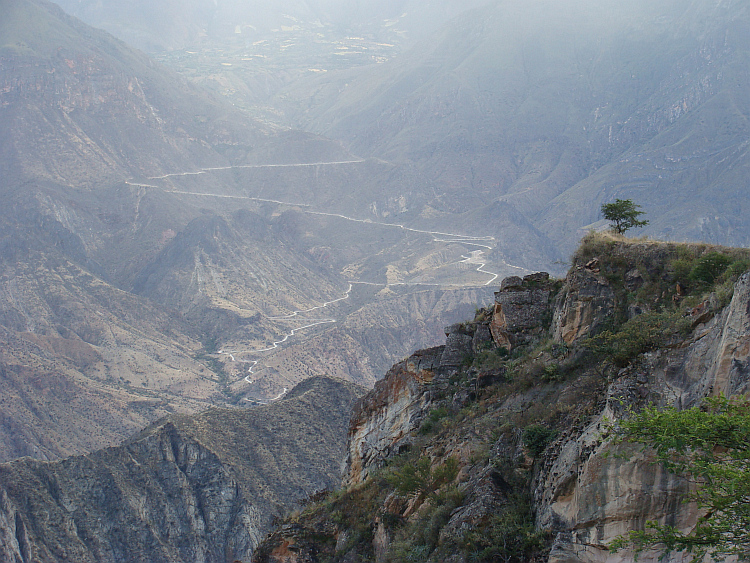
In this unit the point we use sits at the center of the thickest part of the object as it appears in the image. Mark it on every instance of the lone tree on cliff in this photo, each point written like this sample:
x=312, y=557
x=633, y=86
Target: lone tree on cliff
x=624, y=215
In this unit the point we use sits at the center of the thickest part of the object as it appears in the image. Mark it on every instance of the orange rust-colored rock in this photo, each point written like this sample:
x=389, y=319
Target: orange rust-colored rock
x=382, y=420
x=282, y=554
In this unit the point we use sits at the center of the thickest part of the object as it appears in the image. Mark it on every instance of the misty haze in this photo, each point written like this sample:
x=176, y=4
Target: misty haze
x=248, y=245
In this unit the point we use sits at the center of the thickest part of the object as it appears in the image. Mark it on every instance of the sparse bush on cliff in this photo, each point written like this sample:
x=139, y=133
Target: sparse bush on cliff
x=419, y=538
x=419, y=478
x=662, y=282
x=708, y=268
x=508, y=537
x=660, y=266
x=536, y=438
x=433, y=420
x=638, y=335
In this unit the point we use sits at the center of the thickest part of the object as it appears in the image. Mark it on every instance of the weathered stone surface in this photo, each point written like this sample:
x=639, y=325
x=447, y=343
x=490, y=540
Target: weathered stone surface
x=583, y=305
x=590, y=496
x=594, y=492
x=511, y=282
x=730, y=369
x=482, y=338
x=519, y=306
x=588, y=491
x=188, y=489
x=458, y=345
x=537, y=278
x=520, y=310
x=488, y=497
x=383, y=419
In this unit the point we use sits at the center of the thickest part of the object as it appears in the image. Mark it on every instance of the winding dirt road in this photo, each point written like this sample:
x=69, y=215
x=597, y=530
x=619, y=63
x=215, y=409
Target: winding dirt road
x=277, y=343
x=475, y=257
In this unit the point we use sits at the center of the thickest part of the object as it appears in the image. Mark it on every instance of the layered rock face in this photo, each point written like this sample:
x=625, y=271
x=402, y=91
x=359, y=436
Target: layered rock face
x=584, y=304
x=382, y=422
x=190, y=488
x=585, y=490
x=520, y=308
x=591, y=491
x=384, y=418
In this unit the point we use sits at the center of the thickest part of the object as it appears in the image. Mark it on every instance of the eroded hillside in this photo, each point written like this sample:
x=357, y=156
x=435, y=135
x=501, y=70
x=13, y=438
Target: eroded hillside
x=158, y=246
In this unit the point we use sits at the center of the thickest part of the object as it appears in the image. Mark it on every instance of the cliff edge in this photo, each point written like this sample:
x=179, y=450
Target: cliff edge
x=496, y=445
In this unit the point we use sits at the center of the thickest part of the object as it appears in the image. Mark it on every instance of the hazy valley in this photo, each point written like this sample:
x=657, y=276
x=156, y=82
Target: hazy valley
x=149, y=226
x=264, y=194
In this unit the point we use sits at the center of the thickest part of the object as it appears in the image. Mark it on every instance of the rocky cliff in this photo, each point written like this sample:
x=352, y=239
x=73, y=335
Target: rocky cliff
x=505, y=454
x=189, y=488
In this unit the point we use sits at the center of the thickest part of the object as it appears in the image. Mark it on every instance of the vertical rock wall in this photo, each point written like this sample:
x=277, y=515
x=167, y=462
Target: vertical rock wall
x=586, y=490
x=590, y=491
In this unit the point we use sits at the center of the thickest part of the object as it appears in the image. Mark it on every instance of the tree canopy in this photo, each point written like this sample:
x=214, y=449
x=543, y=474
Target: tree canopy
x=710, y=445
x=624, y=215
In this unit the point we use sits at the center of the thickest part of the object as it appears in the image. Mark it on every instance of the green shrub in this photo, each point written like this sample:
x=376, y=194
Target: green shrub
x=417, y=554
x=433, y=419
x=438, y=413
x=419, y=477
x=427, y=427
x=551, y=373
x=638, y=335
x=491, y=359
x=681, y=269
x=536, y=438
x=709, y=267
x=509, y=536
x=411, y=477
x=737, y=268
x=445, y=473
x=417, y=540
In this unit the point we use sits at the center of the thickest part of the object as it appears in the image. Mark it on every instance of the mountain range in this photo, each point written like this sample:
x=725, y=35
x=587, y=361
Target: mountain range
x=266, y=196
x=188, y=488
x=167, y=25
x=553, y=108
x=147, y=226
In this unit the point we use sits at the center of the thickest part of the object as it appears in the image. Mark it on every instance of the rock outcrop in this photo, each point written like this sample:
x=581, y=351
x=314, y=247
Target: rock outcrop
x=592, y=491
x=583, y=305
x=526, y=420
x=383, y=420
x=190, y=488
x=521, y=306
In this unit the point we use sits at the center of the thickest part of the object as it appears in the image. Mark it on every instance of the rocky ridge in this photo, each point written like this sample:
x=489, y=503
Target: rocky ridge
x=189, y=488
x=505, y=454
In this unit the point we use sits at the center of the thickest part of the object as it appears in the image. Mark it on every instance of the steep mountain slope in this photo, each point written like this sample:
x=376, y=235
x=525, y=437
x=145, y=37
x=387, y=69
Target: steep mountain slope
x=83, y=113
x=94, y=109
x=189, y=488
x=501, y=444
x=552, y=108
